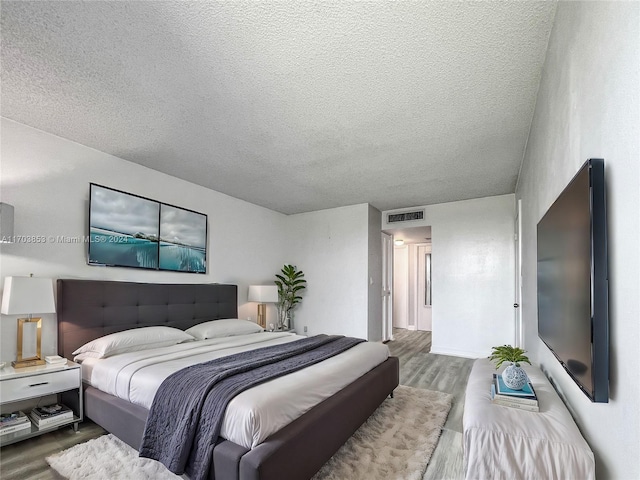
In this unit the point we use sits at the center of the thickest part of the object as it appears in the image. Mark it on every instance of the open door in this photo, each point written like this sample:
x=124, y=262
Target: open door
x=387, y=285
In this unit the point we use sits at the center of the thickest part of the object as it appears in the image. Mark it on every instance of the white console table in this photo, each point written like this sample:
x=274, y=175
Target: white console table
x=508, y=443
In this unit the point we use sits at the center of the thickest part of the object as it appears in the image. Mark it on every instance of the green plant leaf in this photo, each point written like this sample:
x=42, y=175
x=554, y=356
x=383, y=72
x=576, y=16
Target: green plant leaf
x=289, y=282
x=507, y=353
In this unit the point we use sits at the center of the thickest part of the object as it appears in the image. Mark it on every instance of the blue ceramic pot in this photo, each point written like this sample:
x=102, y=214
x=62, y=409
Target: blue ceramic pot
x=514, y=377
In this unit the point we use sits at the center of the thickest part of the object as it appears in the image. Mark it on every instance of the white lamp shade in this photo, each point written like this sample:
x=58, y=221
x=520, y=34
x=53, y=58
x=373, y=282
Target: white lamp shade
x=263, y=293
x=27, y=295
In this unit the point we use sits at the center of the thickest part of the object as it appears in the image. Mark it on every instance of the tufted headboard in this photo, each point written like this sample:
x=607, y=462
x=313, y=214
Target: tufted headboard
x=88, y=309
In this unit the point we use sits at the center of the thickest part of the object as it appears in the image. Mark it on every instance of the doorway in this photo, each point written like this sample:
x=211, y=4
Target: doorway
x=410, y=278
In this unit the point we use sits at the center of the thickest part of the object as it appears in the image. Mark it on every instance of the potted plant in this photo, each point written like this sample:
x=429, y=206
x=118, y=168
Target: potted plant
x=513, y=376
x=290, y=283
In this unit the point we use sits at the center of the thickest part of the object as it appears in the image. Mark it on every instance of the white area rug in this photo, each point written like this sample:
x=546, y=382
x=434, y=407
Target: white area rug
x=104, y=458
x=396, y=442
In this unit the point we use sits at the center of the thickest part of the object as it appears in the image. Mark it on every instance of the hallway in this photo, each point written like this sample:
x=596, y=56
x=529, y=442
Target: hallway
x=411, y=340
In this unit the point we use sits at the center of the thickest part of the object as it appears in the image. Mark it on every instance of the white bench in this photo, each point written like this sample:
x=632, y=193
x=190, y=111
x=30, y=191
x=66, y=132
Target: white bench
x=508, y=443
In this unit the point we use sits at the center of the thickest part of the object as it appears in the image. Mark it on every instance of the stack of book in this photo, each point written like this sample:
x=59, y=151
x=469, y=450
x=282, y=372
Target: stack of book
x=55, y=360
x=13, y=422
x=524, y=399
x=50, y=415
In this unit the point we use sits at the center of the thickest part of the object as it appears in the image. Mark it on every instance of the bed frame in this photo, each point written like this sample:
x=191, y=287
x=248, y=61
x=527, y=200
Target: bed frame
x=89, y=309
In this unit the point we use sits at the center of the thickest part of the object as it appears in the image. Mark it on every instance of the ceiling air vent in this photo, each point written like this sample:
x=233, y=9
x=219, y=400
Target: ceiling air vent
x=405, y=216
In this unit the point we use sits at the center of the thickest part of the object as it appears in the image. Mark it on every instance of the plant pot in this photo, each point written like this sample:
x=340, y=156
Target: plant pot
x=514, y=377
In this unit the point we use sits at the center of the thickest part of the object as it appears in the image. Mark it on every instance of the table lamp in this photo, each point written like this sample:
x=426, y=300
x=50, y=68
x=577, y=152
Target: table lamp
x=263, y=294
x=28, y=295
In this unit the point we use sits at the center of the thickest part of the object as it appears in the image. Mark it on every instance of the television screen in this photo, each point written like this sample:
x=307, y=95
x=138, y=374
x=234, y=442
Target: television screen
x=126, y=230
x=572, y=281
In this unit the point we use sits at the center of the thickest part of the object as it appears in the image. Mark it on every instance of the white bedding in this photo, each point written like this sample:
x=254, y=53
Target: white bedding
x=253, y=415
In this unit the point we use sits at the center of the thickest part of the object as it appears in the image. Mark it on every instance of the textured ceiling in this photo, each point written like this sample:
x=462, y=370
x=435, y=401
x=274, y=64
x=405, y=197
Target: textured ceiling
x=295, y=106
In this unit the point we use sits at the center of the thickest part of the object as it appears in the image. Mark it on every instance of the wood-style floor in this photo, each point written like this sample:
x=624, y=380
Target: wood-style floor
x=421, y=369
x=418, y=368
x=26, y=460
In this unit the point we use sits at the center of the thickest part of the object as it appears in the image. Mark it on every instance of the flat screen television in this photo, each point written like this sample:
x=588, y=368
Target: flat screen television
x=573, y=318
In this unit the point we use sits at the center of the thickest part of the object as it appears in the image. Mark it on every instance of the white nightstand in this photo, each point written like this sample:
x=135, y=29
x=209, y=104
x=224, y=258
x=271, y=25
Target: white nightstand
x=17, y=385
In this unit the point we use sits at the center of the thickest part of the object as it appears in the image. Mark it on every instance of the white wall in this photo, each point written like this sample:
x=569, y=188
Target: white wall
x=473, y=273
x=46, y=178
x=588, y=107
x=330, y=246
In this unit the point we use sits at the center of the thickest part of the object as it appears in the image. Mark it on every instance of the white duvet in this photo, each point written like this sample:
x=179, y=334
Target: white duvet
x=253, y=415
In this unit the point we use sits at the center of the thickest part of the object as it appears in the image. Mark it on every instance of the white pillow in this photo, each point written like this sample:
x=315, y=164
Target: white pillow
x=223, y=328
x=132, y=340
x=83, y=356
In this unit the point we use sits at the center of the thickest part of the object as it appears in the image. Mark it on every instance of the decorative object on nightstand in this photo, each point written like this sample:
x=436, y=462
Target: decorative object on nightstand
x=289, y=284
x=50, y=415
x=55, y=359
x=514, y=376
x=28, y=295
x=13, y=422
x=263, y=294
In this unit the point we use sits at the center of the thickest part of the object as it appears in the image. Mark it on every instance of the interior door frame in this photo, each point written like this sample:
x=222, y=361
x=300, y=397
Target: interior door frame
x=421, y=284
x=387, y=286
x=517, y=303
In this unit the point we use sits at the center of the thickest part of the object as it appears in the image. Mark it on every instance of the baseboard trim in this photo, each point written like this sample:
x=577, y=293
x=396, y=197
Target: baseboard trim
x=456, y=353
x=412, y=327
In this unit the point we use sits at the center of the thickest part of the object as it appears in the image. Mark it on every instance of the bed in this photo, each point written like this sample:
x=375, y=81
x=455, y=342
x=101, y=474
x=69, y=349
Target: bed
x=91, y=309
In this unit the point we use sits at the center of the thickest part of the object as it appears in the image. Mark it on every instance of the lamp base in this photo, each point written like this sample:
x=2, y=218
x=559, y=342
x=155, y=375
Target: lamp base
x=27, y=363
x=262, y=315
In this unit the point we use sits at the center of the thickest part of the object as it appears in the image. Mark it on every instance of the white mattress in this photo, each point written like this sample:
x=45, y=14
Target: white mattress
x=253, y=415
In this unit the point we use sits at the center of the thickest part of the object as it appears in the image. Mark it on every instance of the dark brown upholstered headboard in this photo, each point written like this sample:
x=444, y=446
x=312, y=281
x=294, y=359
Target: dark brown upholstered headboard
x=88, y=309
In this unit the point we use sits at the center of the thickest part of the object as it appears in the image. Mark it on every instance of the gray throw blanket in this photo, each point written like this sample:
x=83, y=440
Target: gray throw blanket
x=186, y=414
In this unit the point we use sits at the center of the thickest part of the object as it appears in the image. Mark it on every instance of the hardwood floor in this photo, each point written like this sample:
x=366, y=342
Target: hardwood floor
x=26, y=460
x=418, y=368
x=443, y=373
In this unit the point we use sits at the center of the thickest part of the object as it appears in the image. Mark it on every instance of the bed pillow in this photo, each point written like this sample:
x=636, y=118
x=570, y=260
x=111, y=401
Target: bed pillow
x=83, y=356
x=131, y=341
x=228, y=327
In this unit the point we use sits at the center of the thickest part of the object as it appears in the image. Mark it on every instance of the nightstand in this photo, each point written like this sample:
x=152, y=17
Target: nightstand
x=17, y=385
x=291, y=330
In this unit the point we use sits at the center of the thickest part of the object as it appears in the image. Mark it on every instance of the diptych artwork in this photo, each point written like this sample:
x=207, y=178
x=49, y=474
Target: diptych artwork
x=183, y=240
x=126, y=230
